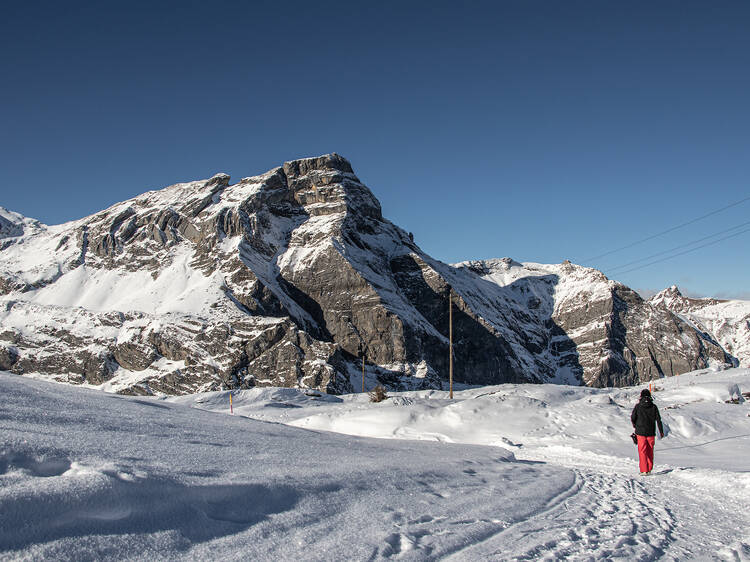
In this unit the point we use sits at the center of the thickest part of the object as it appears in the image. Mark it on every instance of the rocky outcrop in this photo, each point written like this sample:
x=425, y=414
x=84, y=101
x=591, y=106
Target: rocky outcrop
x=672, y=299
x=8, y=357
x=599, y=330
x=726, y=322
x=138, y=353
x=12, y=224
x=630, y=354
x=286, y=279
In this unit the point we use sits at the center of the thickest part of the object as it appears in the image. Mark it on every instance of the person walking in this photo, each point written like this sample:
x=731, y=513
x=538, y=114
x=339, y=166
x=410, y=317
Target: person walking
x=645, y=418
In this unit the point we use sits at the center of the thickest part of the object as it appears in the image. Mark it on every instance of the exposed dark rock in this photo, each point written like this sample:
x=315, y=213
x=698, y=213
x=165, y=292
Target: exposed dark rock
x=8, y=357
x=134, y=356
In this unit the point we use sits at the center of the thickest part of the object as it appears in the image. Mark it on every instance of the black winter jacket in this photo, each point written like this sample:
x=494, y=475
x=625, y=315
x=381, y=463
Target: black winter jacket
x=645, y=415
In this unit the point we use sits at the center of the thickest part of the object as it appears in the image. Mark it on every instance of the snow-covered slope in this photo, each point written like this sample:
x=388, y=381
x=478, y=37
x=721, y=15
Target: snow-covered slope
x=592, y=327
x=286, y=278
x=87, y=475
x=179, y=288
x=14, y=224
x=727, y=321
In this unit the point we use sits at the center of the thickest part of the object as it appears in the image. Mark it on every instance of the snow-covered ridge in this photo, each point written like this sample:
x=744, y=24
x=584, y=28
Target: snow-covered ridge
x=571, y=280
x=598, y=325
x=728, y=321
x=13, y=224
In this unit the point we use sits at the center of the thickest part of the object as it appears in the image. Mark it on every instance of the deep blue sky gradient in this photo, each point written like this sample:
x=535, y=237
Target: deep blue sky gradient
x=542, y=131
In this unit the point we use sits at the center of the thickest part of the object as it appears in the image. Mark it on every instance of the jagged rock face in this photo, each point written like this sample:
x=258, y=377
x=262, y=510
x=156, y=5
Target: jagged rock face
x=178, y=354
x=601, y=330
x=631, y=354
x=190, y=243
x=284, y=279
x=727, y=322
x=10, y=226
x=673, y=300
x=481, y=353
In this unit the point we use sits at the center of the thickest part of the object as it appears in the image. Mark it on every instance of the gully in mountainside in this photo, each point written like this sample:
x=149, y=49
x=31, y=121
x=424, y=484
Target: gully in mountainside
x=645, y=418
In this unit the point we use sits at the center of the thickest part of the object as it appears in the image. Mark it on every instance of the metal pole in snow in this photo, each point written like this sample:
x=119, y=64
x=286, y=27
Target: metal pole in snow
x=363, y=371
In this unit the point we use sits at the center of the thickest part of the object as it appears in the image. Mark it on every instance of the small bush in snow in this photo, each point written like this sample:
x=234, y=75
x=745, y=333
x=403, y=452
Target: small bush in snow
x=378, y=394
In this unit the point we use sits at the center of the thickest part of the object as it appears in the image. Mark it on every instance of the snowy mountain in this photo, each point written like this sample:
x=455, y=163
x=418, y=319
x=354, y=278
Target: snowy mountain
x=13, y=224
x=726, y=321
x=284, y=279
x=600, y=327
x=498, y=473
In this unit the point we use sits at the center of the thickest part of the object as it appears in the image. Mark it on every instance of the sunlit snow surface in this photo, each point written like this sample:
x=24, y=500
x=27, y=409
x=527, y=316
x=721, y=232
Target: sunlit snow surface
x=498, y=473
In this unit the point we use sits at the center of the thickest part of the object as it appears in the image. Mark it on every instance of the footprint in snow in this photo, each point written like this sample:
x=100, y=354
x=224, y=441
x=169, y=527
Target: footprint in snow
x=45, y=466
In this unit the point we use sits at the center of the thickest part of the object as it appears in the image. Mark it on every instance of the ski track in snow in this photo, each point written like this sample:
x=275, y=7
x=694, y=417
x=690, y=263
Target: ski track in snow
x=600, y=516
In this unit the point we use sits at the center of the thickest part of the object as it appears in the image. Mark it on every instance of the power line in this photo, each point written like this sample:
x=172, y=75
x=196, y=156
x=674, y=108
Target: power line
x=663, y=232
x=685, y=252
x=612, y=269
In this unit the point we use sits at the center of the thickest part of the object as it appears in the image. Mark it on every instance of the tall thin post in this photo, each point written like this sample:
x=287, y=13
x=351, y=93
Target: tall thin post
x=363, y=371
x=450, y=342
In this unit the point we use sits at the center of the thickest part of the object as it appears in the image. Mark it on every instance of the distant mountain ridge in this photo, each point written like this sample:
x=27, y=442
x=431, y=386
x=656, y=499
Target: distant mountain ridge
x=12, y=224
x=285, y=278
x=727, y=321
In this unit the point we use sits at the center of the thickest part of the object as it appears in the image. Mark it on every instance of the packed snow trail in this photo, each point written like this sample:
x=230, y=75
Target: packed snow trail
x=612, y=516
x=606, y=515
x=676, y=513
x=604, y=518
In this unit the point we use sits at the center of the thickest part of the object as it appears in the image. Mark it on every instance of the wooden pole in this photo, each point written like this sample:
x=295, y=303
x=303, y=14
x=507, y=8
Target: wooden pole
x=231, y=409
x=450, y=342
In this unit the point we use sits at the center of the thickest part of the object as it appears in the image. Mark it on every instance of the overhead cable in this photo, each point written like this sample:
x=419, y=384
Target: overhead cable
x=685, y=252
x=623, y=266
x=663, y=232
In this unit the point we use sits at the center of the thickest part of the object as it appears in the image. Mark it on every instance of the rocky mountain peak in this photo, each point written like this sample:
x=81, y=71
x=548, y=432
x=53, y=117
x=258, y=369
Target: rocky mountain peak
x=672, y=291
x=725, y=321
x=13, y=224
x=327, y=184
x=220, y=179
x=672, y=299
x=325, y=163
x=9, y=227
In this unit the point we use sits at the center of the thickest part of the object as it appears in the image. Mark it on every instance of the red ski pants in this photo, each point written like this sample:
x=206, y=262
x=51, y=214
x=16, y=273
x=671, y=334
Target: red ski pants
x=646, y=452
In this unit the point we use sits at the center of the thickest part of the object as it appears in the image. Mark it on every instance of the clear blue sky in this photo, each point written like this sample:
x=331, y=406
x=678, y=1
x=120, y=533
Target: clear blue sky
x=542, y=131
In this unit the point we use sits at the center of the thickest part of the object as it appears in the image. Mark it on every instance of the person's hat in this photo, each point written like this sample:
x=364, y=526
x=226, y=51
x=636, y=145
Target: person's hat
x=645, y=393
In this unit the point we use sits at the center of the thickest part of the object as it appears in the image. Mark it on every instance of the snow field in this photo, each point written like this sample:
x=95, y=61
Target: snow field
x=86, y=475
x=539, y=472
x=697, y=510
